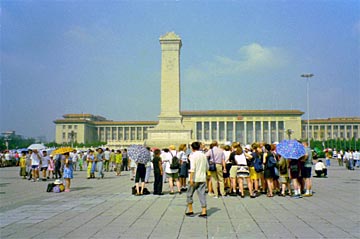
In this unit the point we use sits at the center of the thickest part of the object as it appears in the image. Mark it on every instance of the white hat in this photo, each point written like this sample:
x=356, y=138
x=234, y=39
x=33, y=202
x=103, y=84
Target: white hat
x=57, y=182
x=248, y=147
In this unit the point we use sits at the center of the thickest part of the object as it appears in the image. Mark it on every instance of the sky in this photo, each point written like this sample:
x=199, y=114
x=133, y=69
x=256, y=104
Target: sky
x=104, y=58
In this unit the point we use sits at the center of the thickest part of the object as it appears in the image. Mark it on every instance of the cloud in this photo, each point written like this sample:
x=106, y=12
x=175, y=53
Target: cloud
x=253, y=58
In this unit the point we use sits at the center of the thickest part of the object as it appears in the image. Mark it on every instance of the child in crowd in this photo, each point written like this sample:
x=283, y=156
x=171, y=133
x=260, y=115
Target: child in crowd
x=22, y=165
x=68, y=171
x=118, y=161
x=51, y=166
x=284, y=176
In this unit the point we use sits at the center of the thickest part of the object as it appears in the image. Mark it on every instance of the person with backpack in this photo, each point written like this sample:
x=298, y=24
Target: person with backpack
x=172, y=165
x=256, y=166
x=269, y=162
x=284, y=176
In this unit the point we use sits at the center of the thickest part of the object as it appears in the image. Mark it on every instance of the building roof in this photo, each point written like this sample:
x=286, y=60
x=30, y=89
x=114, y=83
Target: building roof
x=340, y=120
x=241, y=112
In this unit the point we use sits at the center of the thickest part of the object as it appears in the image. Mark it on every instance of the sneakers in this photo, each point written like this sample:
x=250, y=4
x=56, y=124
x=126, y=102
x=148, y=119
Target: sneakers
x=297, y=196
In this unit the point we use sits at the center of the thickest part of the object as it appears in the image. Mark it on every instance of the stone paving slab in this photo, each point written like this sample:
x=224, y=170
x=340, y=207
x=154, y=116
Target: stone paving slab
x=106, y=209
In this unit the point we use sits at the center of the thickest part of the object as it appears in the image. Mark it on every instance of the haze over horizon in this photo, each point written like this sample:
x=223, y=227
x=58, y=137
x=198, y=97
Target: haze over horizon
x=104, y=59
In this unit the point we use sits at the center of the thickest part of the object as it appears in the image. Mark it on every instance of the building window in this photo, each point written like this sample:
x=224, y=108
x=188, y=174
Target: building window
x=273, y=131
x=75, y=126
x=249, y=132
x=126, y=136
x=64, y=136
x=198, y=130
x=139, y=133
x=229, y=131
x=281, y=130
x=214, y=131
x=120, y=133
x=132, y=133
x=258, y=136
x=265, y=131
x=206, y=131
x=239, y=132
x=221, y=130
x=69, y=126
x=64, y=126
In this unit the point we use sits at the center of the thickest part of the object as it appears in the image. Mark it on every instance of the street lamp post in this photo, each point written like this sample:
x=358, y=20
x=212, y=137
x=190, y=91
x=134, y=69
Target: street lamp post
x=307, y=76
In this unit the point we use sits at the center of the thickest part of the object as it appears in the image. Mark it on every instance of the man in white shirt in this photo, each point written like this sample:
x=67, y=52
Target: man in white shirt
x=107, y=159
x=320, y=169
x=198, y=172
x=44, y=164
x=75, y=157
x=35, y=162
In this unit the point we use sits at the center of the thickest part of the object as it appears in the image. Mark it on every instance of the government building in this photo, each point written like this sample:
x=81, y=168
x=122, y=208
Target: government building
x=175, y=126
x=245, y=126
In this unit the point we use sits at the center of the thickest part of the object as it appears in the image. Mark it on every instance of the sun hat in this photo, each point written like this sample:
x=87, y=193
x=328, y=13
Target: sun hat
x=57, y=182
x=172, y=147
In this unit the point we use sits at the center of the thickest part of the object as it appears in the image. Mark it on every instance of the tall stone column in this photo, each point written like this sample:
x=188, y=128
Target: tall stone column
x=170, y=82
x=170, y=129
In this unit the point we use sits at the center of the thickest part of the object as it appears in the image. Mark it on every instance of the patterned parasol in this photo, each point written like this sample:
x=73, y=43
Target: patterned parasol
x=290, y=149
x=139, y=153
x=62, y=150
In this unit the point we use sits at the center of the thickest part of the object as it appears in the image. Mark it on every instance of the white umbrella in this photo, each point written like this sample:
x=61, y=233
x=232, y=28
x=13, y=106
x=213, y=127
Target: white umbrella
x=37, y=146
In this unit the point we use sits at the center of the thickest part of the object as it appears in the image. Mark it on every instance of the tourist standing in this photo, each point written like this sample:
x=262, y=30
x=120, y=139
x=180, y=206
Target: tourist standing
x=118, y=161
x=183, y=173
x=107, y=159
x=90, y=161
x=68, y=171
x=269, y=172
x=125, y=160
x=306, y=170
x=100, y=157
x=35, y=164
x=172, y=174
x=217, y=156
x=148, y=166
x=158, y=172
x=44, y=164
x=198, y=170
x=22, y=164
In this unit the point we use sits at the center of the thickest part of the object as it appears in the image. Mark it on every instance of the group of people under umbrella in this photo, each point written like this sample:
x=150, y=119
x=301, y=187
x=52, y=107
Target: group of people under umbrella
x=290, y=156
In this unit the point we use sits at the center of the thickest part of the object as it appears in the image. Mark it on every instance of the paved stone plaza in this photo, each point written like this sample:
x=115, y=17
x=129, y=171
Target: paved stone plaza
x=106, y=209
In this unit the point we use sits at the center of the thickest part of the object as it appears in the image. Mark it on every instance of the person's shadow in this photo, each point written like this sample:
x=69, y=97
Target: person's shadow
x=212, y=210
x=79, y=188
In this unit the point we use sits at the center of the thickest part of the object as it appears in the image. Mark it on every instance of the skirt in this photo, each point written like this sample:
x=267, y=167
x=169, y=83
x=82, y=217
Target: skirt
x=68, y=172
x=184, y=170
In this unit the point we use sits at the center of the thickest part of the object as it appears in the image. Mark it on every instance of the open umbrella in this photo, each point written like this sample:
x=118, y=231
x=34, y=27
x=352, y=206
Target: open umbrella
x=139, y=153
x=37, y=146
x=290, y=149
x=62, y=150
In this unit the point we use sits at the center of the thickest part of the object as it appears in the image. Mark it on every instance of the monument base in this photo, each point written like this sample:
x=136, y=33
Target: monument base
x=163, y=138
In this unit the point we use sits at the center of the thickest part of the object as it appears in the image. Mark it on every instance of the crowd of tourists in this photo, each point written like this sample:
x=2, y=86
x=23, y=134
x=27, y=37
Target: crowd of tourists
x=234, y=170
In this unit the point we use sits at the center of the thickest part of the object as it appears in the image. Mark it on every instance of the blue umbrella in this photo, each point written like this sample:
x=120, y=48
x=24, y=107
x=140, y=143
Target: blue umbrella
x=290, y=149
x=139, y=153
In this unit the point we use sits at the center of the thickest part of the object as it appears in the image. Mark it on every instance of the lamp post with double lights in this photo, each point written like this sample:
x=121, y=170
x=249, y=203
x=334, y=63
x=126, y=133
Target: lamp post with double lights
x=308, y=76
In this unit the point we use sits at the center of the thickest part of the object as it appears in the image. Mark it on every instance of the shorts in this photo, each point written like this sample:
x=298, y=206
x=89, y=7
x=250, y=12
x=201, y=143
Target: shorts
x=140, y=173
x=253, y=174
x=306, y=172
x=284, y=180
x=43, y=168
x=228, y=167
x=233, y=171
x=172, y=175
x=35, y=166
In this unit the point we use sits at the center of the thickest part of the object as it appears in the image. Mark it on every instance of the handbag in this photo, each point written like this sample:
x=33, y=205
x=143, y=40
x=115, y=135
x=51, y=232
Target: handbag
x=212, y=165
x=243, y=170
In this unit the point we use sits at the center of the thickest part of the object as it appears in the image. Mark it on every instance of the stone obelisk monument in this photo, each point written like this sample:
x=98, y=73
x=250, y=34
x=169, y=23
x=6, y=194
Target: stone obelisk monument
x=170, y=129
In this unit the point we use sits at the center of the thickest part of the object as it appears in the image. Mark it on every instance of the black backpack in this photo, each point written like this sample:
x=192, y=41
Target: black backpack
x=175, y=162
x=50, y=187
